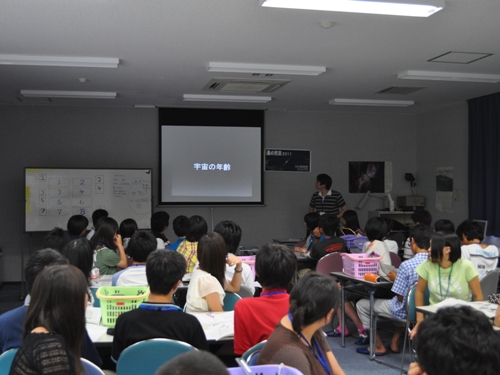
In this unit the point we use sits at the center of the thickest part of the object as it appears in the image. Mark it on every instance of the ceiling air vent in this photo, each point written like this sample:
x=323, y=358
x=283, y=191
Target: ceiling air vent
x=244, y=84
x=399, y=90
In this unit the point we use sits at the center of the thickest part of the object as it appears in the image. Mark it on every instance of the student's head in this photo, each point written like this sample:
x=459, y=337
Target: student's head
x=444, y=225
x=193, y=363
x=375, y=229
x=470, y=230
x=56, y=239
x=350, y=220
x=311, y=220
x=141, y=244
x=98, y=215
x=275, y=265
x=105, y=234
x=324, y=179
x=457, y=340
x=159, y=221
x=313, y=298
x=421, y=236
x=58, y=302
x=164, y=269
x=80, y=254
x=127, y=228
x=443, y=243
x=212, y=255
x=38, y=261
x=231, y=233
x=77, y=225
x=421, y=217
x=328, y=224
x=180, y=224
x=197, y=227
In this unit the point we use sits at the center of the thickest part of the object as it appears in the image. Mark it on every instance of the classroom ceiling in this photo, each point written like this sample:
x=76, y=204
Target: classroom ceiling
x=164, y=47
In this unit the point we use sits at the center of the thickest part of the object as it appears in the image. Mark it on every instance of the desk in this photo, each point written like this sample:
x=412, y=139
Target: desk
x=370, y=287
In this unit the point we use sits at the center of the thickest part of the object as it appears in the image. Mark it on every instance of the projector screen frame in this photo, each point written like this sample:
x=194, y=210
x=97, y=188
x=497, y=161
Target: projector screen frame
x=232, y=118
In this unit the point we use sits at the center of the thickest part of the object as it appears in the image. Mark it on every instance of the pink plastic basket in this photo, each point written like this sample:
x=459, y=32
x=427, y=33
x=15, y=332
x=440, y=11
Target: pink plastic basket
x=250, y=260
x=357, y=265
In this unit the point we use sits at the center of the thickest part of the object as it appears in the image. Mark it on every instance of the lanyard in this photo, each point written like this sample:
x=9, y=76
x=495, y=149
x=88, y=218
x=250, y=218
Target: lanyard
x=449, y=277
x=275, y=293
x=159, y=307
x=317, y=353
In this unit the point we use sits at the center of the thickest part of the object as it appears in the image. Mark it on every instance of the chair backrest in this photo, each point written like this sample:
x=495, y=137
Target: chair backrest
x=230, y=300
x=357, y=244
x=252, y=359
x=330, y=263
x=265, y=370
x=256, y=348
x=411, y=309
x=145, y=357
x=245, y=292
x=489, y=283
x=6, y=361
x=90, y=368
x=395, y=260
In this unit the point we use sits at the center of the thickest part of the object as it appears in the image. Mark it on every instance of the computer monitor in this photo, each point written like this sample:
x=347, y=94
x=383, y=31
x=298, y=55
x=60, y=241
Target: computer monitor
x=483, y=224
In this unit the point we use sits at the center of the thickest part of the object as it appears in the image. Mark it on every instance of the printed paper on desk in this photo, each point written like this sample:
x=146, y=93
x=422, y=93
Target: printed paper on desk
x=219, y=325
x=93, y=315
x=488, y=309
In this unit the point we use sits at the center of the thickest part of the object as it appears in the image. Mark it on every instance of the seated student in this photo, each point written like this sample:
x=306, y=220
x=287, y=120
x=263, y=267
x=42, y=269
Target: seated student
x=127, y=229
x=444, y=225
x=196, y=228
x=298, y=340
x=456, y=340
x=446, y=275
x=159, y=317
x=56, y=239
x=311, y=221
x=54, y=327
x=350, y=224
x=193, y=363
x=140, y=246
x=105, y=241
x=420, y=236
x=207, y=285
x=80, y=254
x=159, y=225
x=96, y=216
x=11, y=322
x=484, y=257
x=328, y=225
x=231, y=233
x=375, y=231
x=77, y=226
x=418, y=217
x=180, y=229
x=275, y=265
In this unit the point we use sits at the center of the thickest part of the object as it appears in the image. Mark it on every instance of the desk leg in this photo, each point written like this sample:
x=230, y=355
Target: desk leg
x=342, y=326
x=372, y=334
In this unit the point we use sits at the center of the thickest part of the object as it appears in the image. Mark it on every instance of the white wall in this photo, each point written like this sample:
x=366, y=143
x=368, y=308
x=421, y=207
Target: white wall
x=78, y=137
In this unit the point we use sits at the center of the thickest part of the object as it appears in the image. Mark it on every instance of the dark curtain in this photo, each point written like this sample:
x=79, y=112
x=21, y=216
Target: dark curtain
x=484, y=161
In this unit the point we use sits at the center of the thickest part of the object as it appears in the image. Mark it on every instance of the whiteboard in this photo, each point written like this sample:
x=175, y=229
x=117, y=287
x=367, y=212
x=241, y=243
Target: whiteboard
x=52, y=196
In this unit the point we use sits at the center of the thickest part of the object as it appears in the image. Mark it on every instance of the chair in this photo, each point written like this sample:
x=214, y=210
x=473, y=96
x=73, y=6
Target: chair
x=90, y=368
x=489, y=283
x=145, y=357
x=6, y=361
x=395, y=260
x=251, y=355
x=245, y=292
x=265, y=370
x=230, y=300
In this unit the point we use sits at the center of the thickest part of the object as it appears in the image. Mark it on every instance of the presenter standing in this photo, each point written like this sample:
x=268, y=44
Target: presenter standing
x=327, y=201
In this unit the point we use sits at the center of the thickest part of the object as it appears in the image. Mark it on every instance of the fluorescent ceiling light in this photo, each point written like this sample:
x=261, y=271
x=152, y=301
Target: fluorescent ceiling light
x=449, y=76
x=372, y=103
x=410, y=8
x=265, y=68
x=83, y=62
x=68, y=94
x=227, y=98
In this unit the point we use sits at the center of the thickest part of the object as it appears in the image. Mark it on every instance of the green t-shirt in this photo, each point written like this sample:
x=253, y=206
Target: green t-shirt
x=106, y=260
x=456, y=286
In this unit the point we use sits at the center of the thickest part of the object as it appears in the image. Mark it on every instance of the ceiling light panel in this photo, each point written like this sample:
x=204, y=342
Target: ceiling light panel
x=68, y=94
x=265, y=68
x=410, y=8
x=449, y=76
x=226, y=98
x=372, y=103
x=83, y=62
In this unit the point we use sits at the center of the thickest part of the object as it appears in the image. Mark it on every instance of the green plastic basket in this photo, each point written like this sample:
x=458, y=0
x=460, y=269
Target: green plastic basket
x=115, y=300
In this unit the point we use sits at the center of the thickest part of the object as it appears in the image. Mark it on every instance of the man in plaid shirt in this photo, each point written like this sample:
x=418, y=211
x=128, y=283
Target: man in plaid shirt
x=420, y=237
